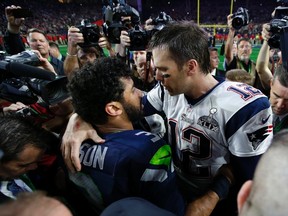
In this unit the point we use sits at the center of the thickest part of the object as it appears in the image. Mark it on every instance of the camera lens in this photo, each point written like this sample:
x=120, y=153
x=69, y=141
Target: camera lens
x=274, y=41
x=92, y=36
x=238, y=22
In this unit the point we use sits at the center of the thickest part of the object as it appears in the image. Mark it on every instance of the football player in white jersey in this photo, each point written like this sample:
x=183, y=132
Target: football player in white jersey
x=211, y=123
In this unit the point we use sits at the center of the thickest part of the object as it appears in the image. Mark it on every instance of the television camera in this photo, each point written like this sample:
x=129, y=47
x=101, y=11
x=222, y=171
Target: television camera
x=118, y=16
x=279, y=21
x=21, y=80
x=139, y=38
x=279, y=30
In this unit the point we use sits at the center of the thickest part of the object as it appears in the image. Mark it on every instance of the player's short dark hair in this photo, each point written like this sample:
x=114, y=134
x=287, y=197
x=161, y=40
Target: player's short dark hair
x=33, y=30
x=53, y=44
x=17, y=133
x=97, y=50
x=281, y=74
x=96, y=84
x=184, y=40
x=212, y=49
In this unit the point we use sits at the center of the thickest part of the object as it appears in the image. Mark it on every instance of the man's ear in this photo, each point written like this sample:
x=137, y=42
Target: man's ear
x=243, y=194
x=113, y=108
x=191, y=65
x=271, y=83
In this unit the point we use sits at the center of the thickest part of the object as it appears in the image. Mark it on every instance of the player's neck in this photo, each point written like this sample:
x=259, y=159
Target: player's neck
x=207, y=83
x=114, y=128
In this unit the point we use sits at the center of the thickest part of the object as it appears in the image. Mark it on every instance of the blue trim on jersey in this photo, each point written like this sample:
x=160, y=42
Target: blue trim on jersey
x=244, y=114
x=244, y=165
x=194, y=101
x=148, y=108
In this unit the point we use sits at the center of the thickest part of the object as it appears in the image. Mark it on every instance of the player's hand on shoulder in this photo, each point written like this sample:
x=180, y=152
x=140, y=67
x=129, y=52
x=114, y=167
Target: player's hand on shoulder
x=76, y=132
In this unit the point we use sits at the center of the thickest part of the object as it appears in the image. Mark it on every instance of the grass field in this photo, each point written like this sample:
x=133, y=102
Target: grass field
x=63, y=50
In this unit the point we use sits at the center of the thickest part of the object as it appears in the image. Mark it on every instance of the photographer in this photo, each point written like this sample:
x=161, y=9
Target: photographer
x=262, y=63
x=136, y=40
x=143, y=79
x=277, y=82
x=79, y=55
x=12, y=39
x=242, y=59
x=36, y=38
x=270, y=55
x=55, y=51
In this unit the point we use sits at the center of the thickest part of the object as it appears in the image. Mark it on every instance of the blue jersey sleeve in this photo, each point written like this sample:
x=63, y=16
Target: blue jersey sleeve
x=148, y=108
x=244, y=167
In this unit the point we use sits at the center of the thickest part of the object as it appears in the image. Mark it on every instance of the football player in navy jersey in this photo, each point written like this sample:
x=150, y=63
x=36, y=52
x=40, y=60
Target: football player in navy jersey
x=211, y=123
x=130, y=162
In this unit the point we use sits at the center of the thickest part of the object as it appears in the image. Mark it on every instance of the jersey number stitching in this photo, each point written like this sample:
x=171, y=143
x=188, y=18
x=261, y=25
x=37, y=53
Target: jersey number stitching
x=201, y=150
x=245, y=91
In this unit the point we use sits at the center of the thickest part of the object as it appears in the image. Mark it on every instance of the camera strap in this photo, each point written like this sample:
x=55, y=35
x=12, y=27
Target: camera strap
x=246, y=67
x=148, y=65
x=128, y=57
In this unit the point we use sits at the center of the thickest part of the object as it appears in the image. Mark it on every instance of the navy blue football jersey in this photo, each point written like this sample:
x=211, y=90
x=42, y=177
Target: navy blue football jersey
x=129, y=163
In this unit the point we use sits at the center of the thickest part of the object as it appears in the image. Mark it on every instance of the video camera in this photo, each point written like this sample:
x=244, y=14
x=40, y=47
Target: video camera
x=21, y=80
x=160, y=21
x=279, y=31
x=240, y=18
x=52, y=92
x=139, y=38
x=26, y=57
x=91, y=33
x=114, y=12
x=277, y=24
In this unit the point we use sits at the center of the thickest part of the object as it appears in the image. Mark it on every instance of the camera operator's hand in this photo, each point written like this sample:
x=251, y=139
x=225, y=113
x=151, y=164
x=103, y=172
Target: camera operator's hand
x=124, y=39
x=265, y=31
x=13, y=108
x=45, y=64
x=104, y=43
x=229, y=22
x=13, y=25
x=74, y=37
x=148, y=24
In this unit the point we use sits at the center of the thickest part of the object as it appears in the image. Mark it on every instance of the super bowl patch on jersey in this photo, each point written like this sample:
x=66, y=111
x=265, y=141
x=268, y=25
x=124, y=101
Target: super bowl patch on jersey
x=208, y=121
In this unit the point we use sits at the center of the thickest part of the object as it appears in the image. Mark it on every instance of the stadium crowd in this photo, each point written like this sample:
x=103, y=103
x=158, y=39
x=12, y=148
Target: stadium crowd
x=55, y=18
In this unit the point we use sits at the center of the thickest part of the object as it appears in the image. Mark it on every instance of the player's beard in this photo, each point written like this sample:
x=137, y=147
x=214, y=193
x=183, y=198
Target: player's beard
x=133, y=113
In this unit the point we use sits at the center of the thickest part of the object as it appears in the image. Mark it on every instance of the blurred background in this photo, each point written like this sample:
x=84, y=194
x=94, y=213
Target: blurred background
x=56, y=16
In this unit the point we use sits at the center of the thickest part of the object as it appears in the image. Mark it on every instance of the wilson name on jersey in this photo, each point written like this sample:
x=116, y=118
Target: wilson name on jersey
x=130, y=163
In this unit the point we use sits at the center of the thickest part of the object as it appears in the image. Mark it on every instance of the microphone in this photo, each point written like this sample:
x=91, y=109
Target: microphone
x=24, y=70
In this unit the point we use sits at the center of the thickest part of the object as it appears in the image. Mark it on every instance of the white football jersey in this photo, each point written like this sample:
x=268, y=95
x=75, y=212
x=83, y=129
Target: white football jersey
x=232, y=118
